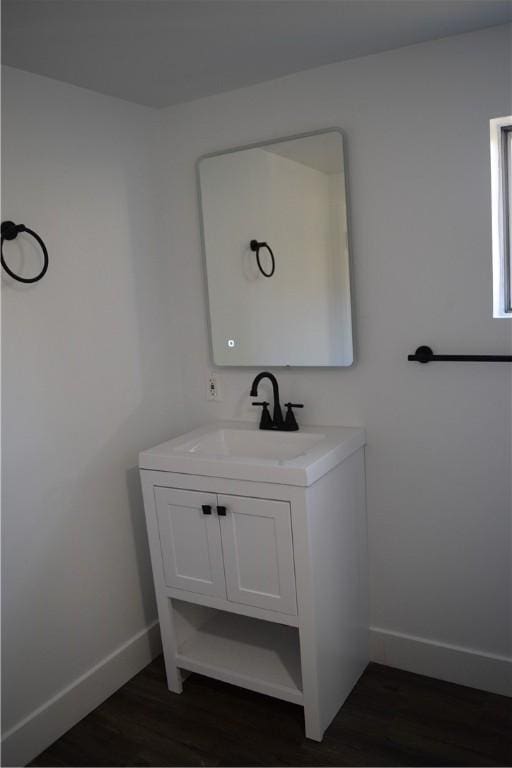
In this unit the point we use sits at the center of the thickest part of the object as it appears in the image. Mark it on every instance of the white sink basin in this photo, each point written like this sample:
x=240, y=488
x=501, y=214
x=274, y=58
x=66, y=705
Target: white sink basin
x=247, y=443
x=240, y=451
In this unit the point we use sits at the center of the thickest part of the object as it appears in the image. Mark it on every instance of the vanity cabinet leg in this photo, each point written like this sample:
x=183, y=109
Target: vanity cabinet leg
x=174, y=678
x=174, y=675
x=312, y=721
x=312, y=726
x=163, y=603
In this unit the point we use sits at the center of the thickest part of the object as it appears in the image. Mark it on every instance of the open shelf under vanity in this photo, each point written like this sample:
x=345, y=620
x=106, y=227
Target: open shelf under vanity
x=260, y=655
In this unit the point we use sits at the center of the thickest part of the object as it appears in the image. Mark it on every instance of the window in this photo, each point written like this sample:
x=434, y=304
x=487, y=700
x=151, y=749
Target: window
x=501, y=181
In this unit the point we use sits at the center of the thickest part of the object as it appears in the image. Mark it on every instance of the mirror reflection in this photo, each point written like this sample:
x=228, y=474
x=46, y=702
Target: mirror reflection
x=276, y=248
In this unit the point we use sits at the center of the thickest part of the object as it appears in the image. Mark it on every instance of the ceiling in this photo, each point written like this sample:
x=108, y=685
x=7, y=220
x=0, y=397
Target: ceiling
x=162, y=52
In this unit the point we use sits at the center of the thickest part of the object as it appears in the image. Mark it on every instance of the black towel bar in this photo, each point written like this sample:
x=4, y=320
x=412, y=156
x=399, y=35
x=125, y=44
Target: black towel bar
x=426, y=355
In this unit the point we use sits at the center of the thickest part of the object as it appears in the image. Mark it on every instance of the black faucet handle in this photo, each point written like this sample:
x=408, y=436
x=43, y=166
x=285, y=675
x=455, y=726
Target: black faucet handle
x=290, y=422
x=266, y=419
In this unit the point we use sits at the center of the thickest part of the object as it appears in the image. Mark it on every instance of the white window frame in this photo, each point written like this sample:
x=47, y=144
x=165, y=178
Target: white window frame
x=501, y=198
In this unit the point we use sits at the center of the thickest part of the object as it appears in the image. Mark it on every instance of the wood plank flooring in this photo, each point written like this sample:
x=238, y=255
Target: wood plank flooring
x=392, y=718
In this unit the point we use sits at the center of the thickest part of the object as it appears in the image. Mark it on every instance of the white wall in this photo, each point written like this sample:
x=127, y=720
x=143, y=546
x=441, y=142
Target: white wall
x=438, y=458
x=87, y=383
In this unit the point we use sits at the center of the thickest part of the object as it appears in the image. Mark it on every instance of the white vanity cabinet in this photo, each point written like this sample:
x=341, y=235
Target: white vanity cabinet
x=263, y=584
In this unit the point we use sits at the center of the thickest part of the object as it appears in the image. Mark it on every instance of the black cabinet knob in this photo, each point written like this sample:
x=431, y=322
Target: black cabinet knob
x=221, y=511
x=207, y=510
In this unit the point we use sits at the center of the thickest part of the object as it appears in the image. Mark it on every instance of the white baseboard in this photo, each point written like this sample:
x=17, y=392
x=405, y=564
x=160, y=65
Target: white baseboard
x=42, y=727
x=30, y=736
x=453, y=663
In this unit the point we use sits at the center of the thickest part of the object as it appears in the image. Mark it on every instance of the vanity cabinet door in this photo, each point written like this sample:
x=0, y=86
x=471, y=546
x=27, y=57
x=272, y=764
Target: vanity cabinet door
x=190, y=541
x=258, y=553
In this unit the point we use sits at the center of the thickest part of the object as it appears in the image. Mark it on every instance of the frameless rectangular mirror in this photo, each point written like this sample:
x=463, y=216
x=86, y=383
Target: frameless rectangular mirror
x=276, y=249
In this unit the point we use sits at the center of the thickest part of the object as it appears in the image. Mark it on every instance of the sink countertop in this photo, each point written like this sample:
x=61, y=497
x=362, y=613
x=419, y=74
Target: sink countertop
x=334, y=445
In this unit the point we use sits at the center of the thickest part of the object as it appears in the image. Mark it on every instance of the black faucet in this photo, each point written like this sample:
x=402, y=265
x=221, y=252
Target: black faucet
x=276, y=421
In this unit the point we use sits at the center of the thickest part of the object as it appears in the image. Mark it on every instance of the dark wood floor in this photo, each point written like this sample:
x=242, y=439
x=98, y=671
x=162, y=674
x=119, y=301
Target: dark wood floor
x=391, y=718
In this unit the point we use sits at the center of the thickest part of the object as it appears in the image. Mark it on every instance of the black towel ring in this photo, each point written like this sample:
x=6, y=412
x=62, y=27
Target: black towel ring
x=255, y=246
x=10, y=231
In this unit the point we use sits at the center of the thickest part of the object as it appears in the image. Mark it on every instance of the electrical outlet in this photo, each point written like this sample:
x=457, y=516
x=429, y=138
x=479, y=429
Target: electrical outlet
x=213, y=387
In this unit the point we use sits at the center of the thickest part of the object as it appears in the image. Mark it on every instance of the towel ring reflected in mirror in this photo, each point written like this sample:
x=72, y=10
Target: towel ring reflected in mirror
x=10, y=231
x=256, y=246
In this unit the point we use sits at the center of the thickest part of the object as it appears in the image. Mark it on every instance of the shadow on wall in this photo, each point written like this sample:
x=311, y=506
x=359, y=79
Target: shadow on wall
x=138, y=522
